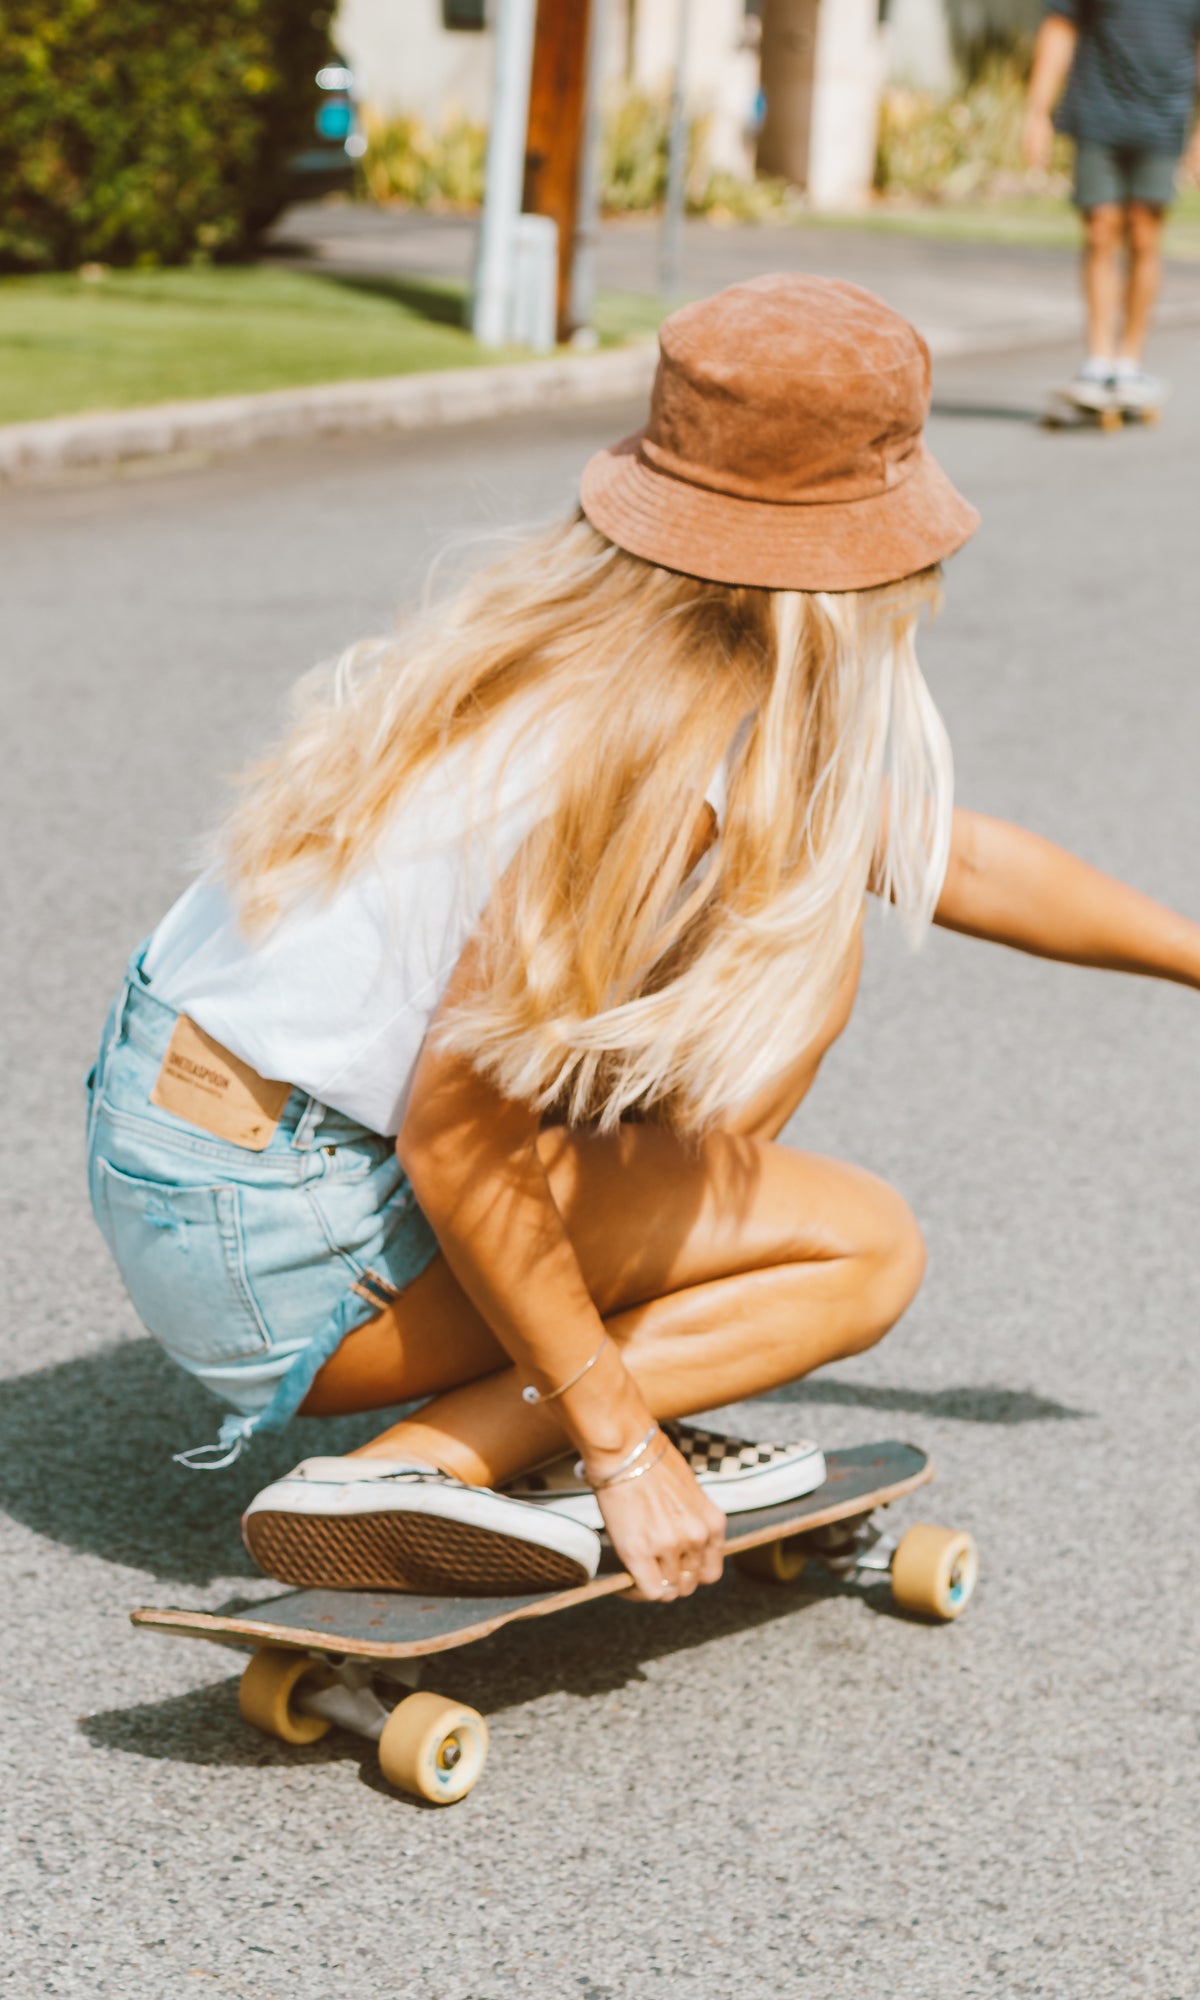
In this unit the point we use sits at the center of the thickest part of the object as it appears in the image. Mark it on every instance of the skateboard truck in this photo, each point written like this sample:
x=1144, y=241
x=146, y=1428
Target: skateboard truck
x=429, y=1746
x=932, y=1571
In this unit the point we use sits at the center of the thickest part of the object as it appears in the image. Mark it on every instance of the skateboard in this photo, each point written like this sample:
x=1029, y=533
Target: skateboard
x=1064, y=414
x=353, y=1658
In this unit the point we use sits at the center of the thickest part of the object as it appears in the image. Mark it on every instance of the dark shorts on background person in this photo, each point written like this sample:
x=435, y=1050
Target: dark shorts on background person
x=249, y=1267
x=1107, y=176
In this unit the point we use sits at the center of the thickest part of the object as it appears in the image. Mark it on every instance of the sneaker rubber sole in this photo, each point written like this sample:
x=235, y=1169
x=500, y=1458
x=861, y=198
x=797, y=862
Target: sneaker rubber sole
x=403, y=1551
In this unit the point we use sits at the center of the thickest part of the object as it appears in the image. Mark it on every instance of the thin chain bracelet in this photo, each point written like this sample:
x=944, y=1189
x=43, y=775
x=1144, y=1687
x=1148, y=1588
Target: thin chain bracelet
x=532, y=1395
x=636, y=1472
x=632, y=1458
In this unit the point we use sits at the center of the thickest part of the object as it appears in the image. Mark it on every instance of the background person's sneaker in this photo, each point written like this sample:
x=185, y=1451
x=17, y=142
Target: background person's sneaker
x=1090, y=390
x=1134, y=390
x=739, y=1474
x=384, y=1524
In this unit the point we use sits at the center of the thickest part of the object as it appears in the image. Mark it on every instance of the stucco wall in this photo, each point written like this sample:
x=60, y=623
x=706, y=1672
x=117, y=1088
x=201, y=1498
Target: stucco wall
x=405, y=60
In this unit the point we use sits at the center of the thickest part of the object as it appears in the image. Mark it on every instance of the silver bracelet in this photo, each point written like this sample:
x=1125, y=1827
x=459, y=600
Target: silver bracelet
x=636, y=1472
x=581, y=1471
x=532, y=1395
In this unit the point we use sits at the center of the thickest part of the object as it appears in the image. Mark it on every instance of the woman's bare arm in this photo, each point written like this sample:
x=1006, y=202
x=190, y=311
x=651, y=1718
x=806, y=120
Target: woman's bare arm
x=1014, y=888
x=472, y=1157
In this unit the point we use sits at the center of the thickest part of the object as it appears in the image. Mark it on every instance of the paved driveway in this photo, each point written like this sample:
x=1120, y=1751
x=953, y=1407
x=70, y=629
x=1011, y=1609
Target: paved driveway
x=754, y=1794
x=964, y=296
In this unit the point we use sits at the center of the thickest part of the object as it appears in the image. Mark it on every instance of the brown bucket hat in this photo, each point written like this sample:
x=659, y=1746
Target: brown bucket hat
x=784, y=446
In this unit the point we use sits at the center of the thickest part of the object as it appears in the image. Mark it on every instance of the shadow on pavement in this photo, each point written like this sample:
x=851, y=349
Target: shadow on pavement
x=985, y=1404
x=596, y=1650
x=1009, y=413
x=85, y=1454
x=85, y=1459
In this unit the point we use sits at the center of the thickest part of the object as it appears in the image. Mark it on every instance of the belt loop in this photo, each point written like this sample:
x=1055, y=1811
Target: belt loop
x=134, y=976
x=118, y=1033
x=306, y=1125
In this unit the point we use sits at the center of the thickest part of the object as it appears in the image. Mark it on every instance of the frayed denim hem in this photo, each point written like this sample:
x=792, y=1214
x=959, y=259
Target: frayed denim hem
x=236, y=1432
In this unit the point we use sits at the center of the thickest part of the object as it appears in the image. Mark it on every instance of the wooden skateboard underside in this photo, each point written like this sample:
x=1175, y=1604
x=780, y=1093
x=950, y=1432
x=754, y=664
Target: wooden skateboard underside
x=399, y=1625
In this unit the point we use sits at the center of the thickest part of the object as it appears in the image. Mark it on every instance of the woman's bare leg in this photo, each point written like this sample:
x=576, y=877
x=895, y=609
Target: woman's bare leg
x=723, y=1270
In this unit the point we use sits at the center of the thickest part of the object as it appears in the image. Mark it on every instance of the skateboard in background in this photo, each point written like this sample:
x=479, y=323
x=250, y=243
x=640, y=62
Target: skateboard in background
x=1066, y=411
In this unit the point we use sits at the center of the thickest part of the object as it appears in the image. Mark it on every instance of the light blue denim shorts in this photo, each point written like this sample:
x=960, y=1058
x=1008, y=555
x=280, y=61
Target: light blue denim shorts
x=250, y=1268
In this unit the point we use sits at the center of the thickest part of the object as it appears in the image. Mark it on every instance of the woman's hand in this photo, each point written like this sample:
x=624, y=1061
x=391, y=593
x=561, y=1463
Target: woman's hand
x=665, y=1530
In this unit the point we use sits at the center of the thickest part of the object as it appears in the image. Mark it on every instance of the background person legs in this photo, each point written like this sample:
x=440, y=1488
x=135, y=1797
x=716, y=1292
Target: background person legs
x=1143, y=278
x=1104, y=228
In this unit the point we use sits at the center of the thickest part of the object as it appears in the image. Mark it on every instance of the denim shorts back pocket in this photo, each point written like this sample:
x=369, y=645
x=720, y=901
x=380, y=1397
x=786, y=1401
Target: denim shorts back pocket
x=181, y=1254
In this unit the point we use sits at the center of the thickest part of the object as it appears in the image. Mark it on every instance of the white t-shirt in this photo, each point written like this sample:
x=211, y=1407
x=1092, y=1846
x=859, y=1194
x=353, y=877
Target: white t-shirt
x=337, y=997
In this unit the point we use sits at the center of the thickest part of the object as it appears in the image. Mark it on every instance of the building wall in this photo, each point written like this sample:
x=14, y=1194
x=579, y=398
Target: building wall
x=722, y=67
x=927, y=38
x=919, y=48
x=405, y=60
x=846, y=92
x=821, y=67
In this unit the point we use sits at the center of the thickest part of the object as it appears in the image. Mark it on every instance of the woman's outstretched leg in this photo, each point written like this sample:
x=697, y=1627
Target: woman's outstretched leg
x=722, y=1270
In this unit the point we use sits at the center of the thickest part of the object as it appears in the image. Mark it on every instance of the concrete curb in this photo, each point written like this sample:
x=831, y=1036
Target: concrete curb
x=416, y=402
x=396, y=402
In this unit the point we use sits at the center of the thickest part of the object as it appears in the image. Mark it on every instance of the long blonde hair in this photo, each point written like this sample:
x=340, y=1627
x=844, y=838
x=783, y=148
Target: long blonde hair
x=610, y=984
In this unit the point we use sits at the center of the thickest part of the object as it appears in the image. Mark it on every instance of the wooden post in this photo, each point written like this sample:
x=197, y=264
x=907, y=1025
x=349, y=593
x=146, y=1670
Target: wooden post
x=554, y=136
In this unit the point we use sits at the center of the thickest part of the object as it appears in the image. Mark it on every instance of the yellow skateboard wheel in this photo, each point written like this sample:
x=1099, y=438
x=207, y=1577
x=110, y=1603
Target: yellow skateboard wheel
x=934, y=1571
x=433, y=1747
x=774, y=1562
x=266, y=1695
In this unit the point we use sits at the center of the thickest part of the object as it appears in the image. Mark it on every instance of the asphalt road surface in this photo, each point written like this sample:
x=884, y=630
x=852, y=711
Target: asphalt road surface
x=756, y=1793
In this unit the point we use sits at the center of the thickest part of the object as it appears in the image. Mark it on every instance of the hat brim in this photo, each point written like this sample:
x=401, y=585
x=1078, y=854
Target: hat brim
x=774, y=545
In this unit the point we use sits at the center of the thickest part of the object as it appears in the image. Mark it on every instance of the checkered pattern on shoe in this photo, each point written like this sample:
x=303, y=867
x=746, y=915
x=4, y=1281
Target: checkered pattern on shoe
x=721, y=1457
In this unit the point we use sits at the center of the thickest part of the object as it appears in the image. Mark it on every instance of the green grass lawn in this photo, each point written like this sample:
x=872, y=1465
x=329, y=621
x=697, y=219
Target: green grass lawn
x=150, y=336
x=133, y=337
x=130, y=337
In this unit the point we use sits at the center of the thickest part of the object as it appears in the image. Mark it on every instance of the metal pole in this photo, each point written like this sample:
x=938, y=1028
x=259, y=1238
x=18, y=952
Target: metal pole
x=587, y=207
x=672, y=232
x=505, y=170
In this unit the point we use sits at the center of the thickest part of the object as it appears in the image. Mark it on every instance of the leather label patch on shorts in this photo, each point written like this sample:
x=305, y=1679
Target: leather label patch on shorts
x=207, y=1086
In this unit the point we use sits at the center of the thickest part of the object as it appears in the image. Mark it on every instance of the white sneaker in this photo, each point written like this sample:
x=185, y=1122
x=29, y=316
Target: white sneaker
x=1136, y=391
x=387, y=1524
x=739, y=1474
x=1089, y=391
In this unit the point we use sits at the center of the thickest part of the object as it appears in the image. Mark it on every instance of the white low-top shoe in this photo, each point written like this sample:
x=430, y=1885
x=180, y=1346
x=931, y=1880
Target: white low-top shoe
x=739, y=1474
x=1136, y=391
x=387, y=1524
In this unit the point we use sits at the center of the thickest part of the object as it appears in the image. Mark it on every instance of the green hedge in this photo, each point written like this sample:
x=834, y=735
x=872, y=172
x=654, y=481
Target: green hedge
x=149, y=131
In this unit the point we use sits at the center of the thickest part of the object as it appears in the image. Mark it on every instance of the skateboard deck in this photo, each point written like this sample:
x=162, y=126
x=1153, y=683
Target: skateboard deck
x=393, y=1625
x=1063, y=413
x=326, y=1657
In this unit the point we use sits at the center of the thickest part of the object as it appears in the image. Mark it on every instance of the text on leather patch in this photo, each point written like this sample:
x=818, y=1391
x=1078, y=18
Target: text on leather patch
x=205, y=1085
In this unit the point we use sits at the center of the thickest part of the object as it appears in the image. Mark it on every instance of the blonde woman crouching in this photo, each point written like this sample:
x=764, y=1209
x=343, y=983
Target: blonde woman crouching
x=458, y=1081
